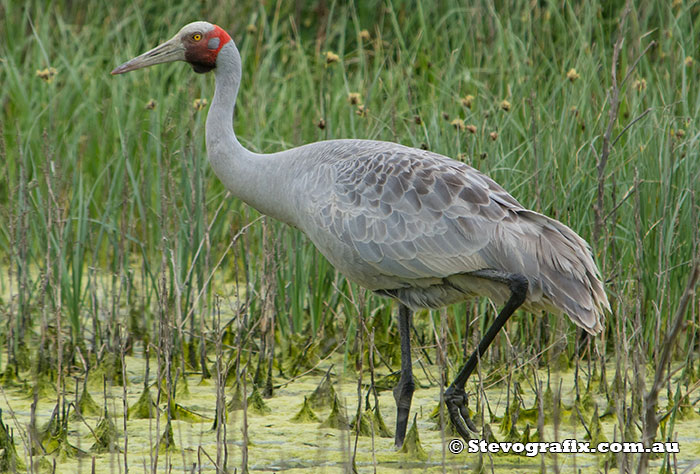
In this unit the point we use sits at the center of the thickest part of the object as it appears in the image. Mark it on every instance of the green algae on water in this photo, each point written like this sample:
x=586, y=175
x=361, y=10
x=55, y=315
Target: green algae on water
x=364, y=426
x=337, y=418
x=256, y=403
x=106, y=436
x=324, y=395
x=110, y=369
x=388, y=382
x=303, y=356
x=411, y=444
x=9, y=460
x=595, y=429
x=57, y=444
x=182, y=389
x=42, y=465
x=488, y=434
x=305, y=414
x=682, y=406
x=380, y=427
x=53, y=437
x=167, y=440
x=185, y=414
x=508, y=425
x=370, y=420
x=87, y=406
x=236, y=401
x=145, y=407
x=44, y=387
x=9, y=378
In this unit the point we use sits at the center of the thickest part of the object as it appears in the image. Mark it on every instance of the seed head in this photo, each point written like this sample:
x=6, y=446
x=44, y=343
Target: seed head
x=199, y=104
x=688, y=61
x=459, y=124
x=362, y=111
x=572, y=75
x=251, y=29
x=354, y=98
x=417, y=119
x=493, y=136
x=331, y=57
x=471, y=128
x=364, y=35
x=151, y=104
x=467, y=101
x=47, y=74
x=321, y=123
x=640, y=84
x=680, y=133
x=445, y=116
x=505, y=105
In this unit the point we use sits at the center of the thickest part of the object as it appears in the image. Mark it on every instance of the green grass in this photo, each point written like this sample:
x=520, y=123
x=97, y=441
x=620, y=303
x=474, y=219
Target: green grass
x=115, y=228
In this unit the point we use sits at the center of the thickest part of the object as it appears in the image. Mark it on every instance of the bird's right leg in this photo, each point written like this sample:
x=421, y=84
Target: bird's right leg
x=403, y=392
x=455, y=396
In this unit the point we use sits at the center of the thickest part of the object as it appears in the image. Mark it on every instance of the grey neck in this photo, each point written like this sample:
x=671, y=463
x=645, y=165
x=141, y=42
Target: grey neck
x=257, y=179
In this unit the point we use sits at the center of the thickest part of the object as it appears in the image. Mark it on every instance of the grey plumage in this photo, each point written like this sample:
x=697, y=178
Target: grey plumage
x=410, y=224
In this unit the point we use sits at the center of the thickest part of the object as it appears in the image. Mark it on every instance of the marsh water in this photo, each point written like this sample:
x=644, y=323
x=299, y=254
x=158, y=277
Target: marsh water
x=277, y=443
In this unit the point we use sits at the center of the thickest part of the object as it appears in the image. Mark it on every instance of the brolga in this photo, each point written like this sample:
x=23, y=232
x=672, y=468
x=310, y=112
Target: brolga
x=412, y=225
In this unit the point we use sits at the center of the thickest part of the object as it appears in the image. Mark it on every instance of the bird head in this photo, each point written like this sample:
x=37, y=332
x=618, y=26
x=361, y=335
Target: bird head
x=198, y=43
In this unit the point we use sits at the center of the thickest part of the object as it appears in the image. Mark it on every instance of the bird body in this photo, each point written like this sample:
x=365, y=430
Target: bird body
x=410, y=224
x=406, y=223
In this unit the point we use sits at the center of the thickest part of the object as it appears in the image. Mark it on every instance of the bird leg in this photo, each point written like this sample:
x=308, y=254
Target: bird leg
x=403, y=392
x=455, y=396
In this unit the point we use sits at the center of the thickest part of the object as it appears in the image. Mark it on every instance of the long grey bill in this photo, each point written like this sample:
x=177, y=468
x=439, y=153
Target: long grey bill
x=169, y=51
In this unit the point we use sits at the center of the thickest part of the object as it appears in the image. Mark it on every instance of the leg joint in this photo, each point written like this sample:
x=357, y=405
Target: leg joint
x=518, y=285
x=404, y=389
x=516, y=282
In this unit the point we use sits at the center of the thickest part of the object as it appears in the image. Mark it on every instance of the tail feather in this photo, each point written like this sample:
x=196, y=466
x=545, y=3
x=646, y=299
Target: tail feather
x=572, y=280
x=560, y=268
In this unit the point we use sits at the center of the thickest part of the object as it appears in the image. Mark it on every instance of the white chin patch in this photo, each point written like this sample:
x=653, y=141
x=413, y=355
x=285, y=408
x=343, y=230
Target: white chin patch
x=213, y=43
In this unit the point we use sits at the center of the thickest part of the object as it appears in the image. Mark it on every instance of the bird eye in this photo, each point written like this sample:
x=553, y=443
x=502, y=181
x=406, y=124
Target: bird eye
x=196, y=37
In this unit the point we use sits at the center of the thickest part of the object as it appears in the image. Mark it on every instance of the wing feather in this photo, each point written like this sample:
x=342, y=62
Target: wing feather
x=410, y=216
x=394, y=217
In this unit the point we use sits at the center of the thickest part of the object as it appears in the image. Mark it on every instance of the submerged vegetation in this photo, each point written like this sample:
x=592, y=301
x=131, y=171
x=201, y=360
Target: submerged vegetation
x=153, y=322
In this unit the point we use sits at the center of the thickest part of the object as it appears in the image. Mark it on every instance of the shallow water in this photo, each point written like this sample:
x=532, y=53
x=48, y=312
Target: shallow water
x=276, y=443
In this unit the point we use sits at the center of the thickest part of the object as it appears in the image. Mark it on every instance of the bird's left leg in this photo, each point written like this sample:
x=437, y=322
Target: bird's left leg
x=455, y=396
x=403, y=392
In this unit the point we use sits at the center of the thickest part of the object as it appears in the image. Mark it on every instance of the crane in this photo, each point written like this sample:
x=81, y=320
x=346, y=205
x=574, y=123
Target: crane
x=415, y=226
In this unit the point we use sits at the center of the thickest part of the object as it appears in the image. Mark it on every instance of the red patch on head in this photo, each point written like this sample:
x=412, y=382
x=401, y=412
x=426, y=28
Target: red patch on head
x=220, y=33
x=203, y=53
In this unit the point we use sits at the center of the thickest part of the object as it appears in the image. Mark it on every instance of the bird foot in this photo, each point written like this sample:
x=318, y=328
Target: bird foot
x=456, y=402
